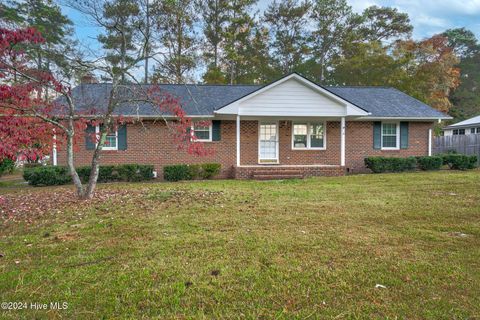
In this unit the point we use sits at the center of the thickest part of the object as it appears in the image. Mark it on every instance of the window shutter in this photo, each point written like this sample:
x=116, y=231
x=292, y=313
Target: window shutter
x=403, y=135
x=89, y=132
x=377, y=135
x=216, y=134
x=122, y=137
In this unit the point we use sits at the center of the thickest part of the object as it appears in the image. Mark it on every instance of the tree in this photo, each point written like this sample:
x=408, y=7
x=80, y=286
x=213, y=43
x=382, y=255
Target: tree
x=466, y=98
x=383, y=23
x=463, y=42
x=214, y=17
x=425, y=69
x=46, y=17
x=120, y=23
x=62, y=118
x=236, y=36
x=175, y=25
x=288, y=20
x=333, y=20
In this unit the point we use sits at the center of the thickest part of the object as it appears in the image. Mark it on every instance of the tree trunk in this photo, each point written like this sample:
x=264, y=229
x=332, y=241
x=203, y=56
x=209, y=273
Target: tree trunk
x=71, y=163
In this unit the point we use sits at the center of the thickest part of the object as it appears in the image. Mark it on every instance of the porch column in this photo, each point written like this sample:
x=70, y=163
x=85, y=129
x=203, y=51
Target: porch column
x=54, y=149
x=238, y=140
x=342, y=141
x=429, y=142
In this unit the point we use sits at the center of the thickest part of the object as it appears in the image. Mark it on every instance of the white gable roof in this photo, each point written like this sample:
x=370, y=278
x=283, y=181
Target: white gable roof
x=293, y=96
x=465, y=123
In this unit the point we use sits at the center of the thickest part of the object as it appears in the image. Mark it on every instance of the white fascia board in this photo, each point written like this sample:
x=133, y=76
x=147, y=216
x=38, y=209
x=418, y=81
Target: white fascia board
x=351, y=109
x=403, y=118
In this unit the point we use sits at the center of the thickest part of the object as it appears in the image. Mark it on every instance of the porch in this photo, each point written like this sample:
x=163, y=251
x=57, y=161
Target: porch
x=269, y=148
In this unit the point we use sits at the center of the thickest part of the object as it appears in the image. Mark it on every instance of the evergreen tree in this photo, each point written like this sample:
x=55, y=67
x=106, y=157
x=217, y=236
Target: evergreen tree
x=175, y=25
x=120, y=25
x=214, y=15
x=288, y=20
x=237, y=34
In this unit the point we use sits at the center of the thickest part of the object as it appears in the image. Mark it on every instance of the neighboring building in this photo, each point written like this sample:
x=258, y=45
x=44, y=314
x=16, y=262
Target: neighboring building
x=469, y=126
x=290, y=127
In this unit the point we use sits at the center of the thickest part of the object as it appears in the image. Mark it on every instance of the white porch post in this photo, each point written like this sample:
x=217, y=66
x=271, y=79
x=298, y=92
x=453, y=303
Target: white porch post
x=342, y=142
x=54, y=149
x=429, y=142
x=238, y=140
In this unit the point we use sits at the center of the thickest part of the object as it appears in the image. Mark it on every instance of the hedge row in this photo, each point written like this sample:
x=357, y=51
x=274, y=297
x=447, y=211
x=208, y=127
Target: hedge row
x=392, y=164
x=192, y=171
x=55, y=175
x=6, y=166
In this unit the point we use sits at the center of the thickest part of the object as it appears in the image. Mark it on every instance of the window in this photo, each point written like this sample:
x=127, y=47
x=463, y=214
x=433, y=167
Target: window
x=111, y=140
x=457, y=132
x=472, y=130
x=390, y=136
x=308, y=136
x=202, y=132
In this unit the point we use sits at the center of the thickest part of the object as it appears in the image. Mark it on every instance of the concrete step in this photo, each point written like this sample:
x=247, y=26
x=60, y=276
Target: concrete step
x=276, y=171
x=276, y=176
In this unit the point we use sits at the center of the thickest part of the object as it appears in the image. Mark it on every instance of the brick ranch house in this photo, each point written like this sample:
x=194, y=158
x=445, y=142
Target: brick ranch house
x=290, y=127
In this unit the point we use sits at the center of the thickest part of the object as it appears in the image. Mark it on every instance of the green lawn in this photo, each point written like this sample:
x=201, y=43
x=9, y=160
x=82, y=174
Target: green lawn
x=313, y=248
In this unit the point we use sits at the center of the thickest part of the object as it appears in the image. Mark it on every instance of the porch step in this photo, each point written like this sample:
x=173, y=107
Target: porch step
x=277, y=176
x=276, y=171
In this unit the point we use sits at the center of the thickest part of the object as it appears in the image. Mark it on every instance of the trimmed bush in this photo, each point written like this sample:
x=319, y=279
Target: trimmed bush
x=193, y=171
x=459, y=161
x=177, y=172
x=390, y=164
x=209, y=170
x=6, y=166
x=47, y=176
x=429, y=163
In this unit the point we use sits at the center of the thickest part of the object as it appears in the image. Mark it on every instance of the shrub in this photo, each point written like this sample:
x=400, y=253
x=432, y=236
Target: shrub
x=32, y=165
x=459, y=161
x=6, y=166
x=193, y=171
x=429, y=163
x=177, y=172
x=47, y=176
x=209, y=170
x=390, y=164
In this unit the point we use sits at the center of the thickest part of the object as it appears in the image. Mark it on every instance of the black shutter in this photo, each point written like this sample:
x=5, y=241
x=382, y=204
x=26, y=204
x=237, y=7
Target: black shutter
x=89, y=137
x=122, y=137
x=216, y=130
x=377, y=135
x=404, y=135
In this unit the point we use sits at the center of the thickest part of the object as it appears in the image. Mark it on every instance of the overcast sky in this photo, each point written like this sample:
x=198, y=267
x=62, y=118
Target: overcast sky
x=428, y=16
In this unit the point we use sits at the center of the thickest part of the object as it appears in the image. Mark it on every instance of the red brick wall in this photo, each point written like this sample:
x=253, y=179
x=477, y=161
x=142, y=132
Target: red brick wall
x=150, y=144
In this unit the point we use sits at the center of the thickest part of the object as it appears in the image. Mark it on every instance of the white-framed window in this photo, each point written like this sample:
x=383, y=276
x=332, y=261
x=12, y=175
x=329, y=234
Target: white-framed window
x=202, y=132
x=309, y=135
x=390, y=135
x=111, y=140
x=457, y=132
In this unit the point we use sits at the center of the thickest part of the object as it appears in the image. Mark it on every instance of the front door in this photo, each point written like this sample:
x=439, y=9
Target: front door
x=268, y=142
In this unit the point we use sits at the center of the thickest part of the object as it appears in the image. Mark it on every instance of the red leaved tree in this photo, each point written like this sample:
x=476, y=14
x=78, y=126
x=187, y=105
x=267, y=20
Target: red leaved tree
x=29, y=120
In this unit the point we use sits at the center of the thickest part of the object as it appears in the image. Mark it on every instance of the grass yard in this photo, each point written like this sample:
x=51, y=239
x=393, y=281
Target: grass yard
x=307, y=249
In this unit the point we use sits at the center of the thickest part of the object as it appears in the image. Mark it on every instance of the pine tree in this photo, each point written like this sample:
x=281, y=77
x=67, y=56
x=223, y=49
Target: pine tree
x=236, y=37
x=121, y=24
x=214, y=16
x=288, y=21
x=175, y=24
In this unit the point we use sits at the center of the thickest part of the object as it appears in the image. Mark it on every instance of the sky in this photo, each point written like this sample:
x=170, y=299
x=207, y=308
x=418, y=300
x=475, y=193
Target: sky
x=427, y=16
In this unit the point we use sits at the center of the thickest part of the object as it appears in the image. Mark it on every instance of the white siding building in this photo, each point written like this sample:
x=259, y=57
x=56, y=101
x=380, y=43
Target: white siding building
x=469, y=126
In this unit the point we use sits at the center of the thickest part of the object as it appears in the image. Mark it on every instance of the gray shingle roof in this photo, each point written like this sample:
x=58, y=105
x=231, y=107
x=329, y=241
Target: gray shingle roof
x=205, y=99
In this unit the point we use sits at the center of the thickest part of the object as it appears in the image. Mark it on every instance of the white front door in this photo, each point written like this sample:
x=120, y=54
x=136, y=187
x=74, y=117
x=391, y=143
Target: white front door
x=268, y=142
